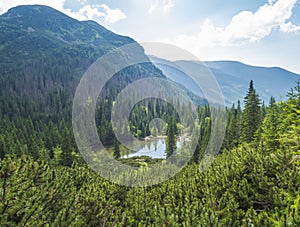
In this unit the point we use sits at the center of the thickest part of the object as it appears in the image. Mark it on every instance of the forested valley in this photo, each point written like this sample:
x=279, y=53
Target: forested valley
x=253, y=181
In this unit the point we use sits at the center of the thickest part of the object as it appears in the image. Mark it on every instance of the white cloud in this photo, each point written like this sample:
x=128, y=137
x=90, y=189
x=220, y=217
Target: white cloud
x=245, y=27
x=98, y=12
x=85, y=13
x=89, y=12
x=289, y=27
x=113, y=15
x=163, y=6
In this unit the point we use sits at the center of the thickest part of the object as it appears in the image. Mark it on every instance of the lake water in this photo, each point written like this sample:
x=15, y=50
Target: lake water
x=153, y=149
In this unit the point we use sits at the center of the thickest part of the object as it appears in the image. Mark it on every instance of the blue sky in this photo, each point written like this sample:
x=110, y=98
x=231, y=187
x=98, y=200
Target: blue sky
x=257, y=32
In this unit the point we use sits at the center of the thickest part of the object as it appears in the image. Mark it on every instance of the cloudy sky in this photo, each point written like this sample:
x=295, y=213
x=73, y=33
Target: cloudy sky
x=257, y=32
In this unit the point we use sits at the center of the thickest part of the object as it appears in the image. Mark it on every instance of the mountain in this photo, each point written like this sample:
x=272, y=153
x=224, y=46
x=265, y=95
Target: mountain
x=234, y=77
x=30, y=32
x=43, y=56
x=44, y=53
x=32, y=24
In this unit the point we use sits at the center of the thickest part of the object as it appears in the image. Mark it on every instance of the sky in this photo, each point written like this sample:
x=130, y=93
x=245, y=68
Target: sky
x=256, y=32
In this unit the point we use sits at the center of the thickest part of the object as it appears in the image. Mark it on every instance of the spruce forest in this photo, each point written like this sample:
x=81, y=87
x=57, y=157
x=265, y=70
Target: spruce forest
x=253, y=181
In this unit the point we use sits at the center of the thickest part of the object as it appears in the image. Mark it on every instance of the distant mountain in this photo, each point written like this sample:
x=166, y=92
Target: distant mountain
x=234, y=77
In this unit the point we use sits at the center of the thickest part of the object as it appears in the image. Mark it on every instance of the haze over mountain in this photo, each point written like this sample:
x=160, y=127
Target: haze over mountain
x=234, y=77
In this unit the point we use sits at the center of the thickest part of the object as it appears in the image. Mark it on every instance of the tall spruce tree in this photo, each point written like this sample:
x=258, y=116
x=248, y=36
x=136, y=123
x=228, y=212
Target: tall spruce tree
x=251, y=116
x=171, y=140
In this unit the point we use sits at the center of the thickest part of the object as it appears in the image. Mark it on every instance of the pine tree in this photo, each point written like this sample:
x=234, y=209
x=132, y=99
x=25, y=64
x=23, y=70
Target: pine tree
x=251, y=116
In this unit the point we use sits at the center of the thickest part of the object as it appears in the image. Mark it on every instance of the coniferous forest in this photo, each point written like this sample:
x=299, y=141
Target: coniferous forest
x=254, y=180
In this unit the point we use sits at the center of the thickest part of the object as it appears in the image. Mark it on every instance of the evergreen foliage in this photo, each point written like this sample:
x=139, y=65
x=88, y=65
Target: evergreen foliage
x=171, y=139
x=251, y=115
x=246, y=185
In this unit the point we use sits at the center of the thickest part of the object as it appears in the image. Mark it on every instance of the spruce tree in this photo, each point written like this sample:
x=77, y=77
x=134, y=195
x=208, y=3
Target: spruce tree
x=251, y=115
x=171, y=140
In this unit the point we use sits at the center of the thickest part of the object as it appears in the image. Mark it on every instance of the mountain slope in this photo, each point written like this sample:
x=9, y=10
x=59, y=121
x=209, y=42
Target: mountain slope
x=29, y=33
x=47, y=22
x=43, y=56
x=44, y=53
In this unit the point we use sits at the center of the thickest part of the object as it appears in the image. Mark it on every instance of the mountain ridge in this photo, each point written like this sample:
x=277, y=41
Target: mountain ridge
x=234, y=77
x=248, y=64
x=269, y=81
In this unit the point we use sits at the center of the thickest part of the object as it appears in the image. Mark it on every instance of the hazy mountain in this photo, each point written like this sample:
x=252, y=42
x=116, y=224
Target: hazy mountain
x=234, y=77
